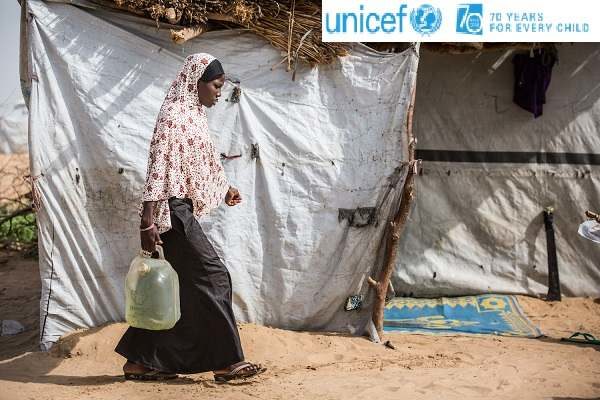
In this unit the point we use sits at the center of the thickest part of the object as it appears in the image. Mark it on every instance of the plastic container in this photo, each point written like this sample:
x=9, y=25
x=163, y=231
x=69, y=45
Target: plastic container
x=152, y=293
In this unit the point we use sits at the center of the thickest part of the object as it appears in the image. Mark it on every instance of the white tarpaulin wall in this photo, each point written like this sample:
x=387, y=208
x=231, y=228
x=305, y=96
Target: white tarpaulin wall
x=477, y=226
x=13, y=124
x=331, y=140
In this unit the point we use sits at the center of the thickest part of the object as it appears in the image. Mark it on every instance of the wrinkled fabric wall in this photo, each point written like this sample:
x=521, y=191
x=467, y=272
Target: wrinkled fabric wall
x=477, y=227
x=13, y=124
x=333, y=139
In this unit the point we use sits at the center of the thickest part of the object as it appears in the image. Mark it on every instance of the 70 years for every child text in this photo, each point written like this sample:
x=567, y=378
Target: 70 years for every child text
x=530, y=22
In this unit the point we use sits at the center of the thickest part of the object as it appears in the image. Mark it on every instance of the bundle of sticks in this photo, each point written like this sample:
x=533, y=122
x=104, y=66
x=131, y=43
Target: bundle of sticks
x=292, y=26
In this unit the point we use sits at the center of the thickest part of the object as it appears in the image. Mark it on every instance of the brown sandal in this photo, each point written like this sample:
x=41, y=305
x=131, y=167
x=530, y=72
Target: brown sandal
x=152, y=375
x=242, y=371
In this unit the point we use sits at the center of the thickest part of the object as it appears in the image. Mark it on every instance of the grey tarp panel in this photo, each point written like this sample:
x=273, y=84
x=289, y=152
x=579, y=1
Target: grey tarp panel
x=13, y=124
x=331, y=140
x=477, y=226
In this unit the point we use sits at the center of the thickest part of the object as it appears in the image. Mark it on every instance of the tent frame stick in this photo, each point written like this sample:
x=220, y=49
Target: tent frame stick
x=396, y=226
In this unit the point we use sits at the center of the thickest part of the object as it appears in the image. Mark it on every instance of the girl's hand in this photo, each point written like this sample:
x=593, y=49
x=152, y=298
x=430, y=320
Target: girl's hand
x=150, y=239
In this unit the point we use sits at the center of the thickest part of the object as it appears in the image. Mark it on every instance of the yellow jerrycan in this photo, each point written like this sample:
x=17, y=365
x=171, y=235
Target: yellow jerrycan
x=152, y=293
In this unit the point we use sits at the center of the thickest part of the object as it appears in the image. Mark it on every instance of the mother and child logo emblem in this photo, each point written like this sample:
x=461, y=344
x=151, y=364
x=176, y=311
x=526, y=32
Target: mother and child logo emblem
x=426, y=19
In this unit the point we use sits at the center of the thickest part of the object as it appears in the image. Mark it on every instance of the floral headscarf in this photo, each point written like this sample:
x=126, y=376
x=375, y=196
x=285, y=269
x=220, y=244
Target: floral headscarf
x=183, y=162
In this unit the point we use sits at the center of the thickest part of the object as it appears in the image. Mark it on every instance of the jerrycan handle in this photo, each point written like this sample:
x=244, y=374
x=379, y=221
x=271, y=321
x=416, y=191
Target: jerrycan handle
x=161, y=252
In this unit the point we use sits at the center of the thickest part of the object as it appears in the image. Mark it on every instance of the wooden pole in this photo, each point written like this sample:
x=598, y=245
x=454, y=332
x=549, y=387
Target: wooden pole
x=396, y=226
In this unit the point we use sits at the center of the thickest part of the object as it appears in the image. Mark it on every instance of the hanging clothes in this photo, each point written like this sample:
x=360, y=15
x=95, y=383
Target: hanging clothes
x=533, y=72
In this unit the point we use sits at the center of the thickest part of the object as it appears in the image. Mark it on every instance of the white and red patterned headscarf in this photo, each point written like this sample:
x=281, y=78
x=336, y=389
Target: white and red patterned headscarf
x=183, y=162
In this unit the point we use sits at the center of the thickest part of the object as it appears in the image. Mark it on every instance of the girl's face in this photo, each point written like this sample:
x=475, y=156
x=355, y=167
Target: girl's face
x=209, y=92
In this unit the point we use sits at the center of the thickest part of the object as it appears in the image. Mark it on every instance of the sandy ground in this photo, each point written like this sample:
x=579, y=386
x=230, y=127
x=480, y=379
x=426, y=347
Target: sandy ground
x=13, y=168
x=304, y=365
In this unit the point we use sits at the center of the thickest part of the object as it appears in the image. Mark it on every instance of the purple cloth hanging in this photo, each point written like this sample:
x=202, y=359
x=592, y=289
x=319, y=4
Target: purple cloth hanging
x=532, y=78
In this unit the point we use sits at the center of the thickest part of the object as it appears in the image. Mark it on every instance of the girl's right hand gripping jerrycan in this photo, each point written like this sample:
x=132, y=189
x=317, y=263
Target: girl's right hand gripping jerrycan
x=152, y=293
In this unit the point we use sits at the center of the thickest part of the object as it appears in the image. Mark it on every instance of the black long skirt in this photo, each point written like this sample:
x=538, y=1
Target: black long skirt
x=206, y=337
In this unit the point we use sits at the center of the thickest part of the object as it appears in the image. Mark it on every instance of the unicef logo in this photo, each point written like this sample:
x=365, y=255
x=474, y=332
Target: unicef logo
x=426, y=19
x=469, y=19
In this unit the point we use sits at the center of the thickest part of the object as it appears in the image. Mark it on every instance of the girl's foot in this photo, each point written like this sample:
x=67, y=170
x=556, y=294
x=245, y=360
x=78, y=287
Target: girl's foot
x=137, y=372
x=240, y=370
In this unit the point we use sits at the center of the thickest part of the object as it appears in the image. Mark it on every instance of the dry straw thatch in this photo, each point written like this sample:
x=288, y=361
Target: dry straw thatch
x=293, y=26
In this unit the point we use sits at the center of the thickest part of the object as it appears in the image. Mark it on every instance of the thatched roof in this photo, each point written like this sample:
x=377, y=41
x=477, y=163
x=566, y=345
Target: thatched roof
x=292, y=26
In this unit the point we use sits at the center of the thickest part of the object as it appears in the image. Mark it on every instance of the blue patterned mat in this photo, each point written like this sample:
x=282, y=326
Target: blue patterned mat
x=489, y=314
